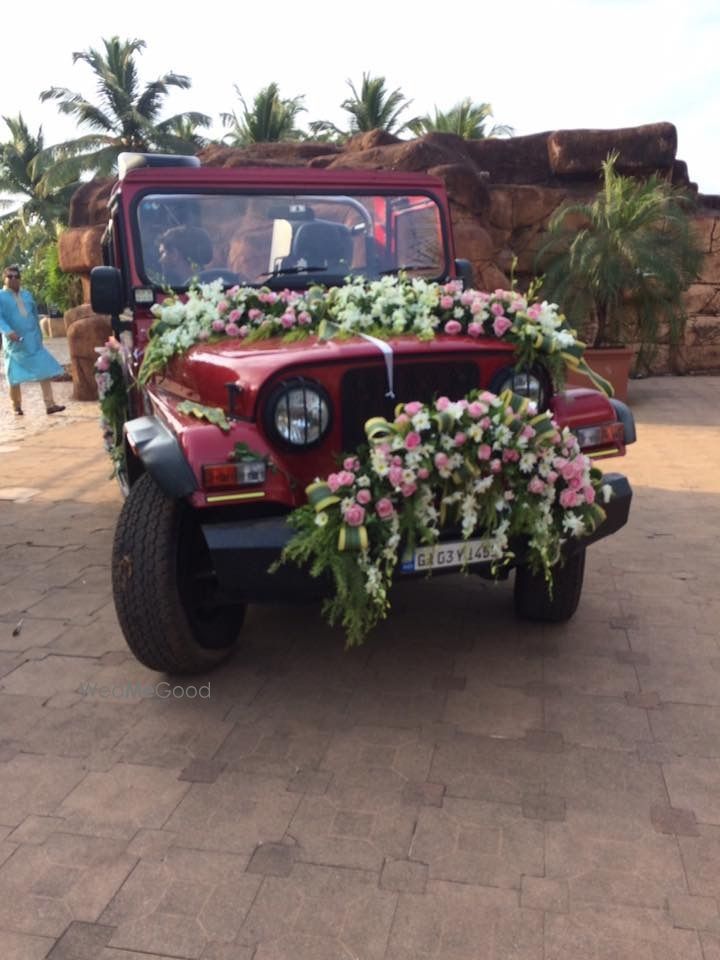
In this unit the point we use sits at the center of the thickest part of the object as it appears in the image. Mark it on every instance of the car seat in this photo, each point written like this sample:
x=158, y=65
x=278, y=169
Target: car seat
x=322, y=243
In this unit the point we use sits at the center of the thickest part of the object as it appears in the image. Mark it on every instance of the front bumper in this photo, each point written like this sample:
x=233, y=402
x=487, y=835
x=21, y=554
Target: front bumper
x=242, y=552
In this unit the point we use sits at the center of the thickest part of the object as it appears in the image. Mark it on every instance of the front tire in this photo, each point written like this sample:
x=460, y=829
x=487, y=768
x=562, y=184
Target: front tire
x=531, y=596
x=163, y=585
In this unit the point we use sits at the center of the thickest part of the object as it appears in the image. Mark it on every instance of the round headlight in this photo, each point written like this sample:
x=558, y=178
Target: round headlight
x=299, y=413
x=526, y=383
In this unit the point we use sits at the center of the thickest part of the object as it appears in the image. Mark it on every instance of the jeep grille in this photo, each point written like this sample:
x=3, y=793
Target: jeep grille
x=364, y=389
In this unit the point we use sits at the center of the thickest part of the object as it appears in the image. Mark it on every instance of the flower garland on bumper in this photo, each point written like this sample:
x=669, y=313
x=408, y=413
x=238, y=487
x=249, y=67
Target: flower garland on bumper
x=486, y=465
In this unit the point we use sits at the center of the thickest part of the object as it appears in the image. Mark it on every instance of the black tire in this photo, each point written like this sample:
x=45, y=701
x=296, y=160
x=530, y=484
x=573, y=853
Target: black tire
x=532, y=600
x=163, y=585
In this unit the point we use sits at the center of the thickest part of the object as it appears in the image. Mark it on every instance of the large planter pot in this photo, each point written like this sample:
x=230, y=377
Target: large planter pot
x=612, y=363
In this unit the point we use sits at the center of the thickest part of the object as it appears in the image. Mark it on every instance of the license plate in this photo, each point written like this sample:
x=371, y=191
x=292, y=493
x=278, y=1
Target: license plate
x=457, y=553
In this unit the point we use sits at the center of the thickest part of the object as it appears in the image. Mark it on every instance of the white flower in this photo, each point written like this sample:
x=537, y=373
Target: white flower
x=606, y=492
x=321, y=519
x=573, y=524
x=363, y=481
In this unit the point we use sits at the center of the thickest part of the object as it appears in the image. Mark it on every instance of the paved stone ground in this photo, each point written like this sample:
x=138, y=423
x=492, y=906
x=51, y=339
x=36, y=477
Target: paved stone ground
x=462, y=788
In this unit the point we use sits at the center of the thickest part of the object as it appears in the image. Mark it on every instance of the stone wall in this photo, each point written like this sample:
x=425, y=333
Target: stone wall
x=502, y=195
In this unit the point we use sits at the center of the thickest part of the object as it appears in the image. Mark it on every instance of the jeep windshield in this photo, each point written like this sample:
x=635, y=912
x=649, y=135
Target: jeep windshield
x=287, y=241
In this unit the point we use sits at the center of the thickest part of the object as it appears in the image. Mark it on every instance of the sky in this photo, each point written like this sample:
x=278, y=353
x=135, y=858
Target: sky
x=552, y=65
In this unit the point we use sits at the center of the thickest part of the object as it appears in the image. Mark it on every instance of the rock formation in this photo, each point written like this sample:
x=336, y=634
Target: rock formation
x=502, y=194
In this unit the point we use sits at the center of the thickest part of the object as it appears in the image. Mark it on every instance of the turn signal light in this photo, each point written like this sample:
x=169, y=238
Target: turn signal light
x=603, y=440
x=224, y=476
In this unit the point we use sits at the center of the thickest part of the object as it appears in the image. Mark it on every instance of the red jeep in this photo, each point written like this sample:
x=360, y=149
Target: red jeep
x=200, y=527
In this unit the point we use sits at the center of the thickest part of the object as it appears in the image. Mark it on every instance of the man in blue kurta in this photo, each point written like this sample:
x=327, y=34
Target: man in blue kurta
x=26, y=359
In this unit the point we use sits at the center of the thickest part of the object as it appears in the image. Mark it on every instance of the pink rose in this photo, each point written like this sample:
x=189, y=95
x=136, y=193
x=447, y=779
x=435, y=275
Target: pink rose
x=413, y=440
x=510, y=456
x=402, y=418
x=218, y=326
x=495, y=466
x=355, y=515
x=408, y=489
x=255, y=314
x=501, y=325
x=527, y=432
x=351, y=463
x=474, y=329
x=346, y=478
x=551, y=477
x=413, y=407
x=384, y=508
x=363, y=496
x=568, y=498
x=460, y=438
x=203, y=335
x=477, y=306
x=447, y=303
x=287, y=320
x=222, y=306
x=536, y=485
x=234, y=315
x=497, y=309
x=232, y=330
x=442, y=403
x=333, y=481
x=453, y=327
x=476, y=409
x=484, y=451
x=441, y=460
x=423, y=473
x=534, y=311
x=304, y=318
x=395, y=475
x=589, y=494
x=243, y=331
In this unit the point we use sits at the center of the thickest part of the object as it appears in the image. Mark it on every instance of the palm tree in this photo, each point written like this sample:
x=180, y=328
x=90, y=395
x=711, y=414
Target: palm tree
x=636, y=245
x=127, y=117
x=23, y=163
x=466, y=119
x=270, y=120
x=373, y=108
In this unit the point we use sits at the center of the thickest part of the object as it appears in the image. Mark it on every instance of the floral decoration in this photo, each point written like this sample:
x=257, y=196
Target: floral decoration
x=388, y=307
x=111, y=377
x=485, y=465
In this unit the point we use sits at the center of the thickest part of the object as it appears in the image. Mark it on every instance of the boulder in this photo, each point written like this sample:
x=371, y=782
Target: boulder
x=88, y=204
x=642, y=150
x=79, y=248
x=513, y=160
x=466, y=186
x=85, y=333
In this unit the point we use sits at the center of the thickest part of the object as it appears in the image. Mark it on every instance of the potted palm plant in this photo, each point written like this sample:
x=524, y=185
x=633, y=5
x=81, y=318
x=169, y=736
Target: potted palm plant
x=618, y=267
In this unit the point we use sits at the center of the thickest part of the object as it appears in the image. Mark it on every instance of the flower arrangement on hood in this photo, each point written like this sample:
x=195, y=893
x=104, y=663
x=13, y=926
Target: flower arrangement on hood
x=111, y=371
x=486, y=465
x=389, y=307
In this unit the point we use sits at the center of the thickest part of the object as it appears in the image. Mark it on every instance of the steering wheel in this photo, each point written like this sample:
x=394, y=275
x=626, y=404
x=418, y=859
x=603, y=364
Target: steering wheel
x=228, y=276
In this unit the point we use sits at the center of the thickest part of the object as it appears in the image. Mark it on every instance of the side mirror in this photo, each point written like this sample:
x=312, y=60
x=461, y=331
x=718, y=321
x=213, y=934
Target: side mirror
x=464, y=272
x=106, y=291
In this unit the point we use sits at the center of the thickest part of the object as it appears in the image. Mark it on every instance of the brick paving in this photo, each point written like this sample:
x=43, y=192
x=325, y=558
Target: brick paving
x=464, y=787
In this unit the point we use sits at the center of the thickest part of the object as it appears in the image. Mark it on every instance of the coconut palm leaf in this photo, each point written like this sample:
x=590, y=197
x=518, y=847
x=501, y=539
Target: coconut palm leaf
x=374, y=107
x=271, y=118
x=635, y=244
x=466, y=119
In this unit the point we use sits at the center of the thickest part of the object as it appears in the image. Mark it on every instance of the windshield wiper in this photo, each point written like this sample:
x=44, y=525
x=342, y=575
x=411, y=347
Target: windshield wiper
x=406, y=266
x=287, y=271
